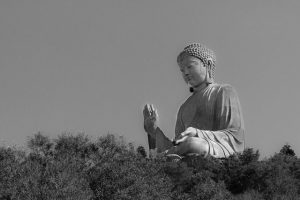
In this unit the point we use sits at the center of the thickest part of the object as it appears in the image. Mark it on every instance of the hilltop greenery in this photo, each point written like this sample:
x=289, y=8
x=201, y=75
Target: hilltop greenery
x=74, y=167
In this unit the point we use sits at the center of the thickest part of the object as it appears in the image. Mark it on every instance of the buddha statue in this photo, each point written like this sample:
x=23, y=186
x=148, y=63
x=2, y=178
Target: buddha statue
x=209, y=122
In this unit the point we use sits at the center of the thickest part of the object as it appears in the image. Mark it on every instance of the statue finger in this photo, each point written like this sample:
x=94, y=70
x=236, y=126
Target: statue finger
x=146, y=110
x=181, y=140
x=183, y=134
x=190, y=131
x=156, y=113
x=152, y=109
x=149, y=109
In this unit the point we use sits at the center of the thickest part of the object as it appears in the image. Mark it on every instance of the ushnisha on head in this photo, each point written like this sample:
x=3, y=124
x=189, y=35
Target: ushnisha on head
x=204, y=54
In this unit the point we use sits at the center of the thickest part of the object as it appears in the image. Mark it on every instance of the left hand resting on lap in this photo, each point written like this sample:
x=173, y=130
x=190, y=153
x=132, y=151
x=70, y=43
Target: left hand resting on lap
x=189, y=132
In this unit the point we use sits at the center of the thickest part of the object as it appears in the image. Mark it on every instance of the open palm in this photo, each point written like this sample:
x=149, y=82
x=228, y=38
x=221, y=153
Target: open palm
x=150, y=118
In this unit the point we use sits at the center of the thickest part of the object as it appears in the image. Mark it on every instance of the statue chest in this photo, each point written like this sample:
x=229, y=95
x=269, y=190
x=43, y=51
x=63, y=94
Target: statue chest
x=198, y=112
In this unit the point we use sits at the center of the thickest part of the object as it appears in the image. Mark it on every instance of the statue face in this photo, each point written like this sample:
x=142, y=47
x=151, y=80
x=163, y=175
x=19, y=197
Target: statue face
x=193, y=70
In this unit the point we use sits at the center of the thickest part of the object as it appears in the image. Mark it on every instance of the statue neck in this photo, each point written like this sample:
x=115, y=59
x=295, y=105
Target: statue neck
x=200, y=86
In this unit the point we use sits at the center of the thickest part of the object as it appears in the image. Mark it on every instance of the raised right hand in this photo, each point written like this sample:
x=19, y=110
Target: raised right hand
x=150, y=118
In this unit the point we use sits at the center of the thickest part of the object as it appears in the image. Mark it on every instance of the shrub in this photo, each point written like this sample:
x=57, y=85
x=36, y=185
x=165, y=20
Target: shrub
x=74, y=167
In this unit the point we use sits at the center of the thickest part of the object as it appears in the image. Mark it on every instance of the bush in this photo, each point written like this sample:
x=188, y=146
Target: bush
x=74, y=167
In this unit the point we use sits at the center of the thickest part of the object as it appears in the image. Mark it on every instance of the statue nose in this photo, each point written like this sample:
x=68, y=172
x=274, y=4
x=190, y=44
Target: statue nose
x=186, y=72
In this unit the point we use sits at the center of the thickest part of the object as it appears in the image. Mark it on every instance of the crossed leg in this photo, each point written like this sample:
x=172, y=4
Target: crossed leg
x=192, y=145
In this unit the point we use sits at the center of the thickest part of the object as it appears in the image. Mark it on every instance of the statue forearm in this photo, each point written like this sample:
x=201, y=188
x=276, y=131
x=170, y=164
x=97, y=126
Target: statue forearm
x=162, y=141
x=158, y=140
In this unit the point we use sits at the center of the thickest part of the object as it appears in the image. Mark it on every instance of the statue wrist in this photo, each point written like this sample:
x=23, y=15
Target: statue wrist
x=152, y=130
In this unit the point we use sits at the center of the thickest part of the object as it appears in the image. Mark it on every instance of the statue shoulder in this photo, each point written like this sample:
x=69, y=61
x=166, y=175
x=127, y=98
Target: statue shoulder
x=226, y=90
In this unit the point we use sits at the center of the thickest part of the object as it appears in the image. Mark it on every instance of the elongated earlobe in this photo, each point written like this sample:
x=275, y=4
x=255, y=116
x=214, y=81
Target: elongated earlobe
x=209, y=78
x=209, y=66
x=209, y=73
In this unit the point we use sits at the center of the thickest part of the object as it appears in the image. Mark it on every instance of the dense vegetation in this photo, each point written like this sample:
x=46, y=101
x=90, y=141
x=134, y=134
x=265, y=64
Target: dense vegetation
x=74, y=167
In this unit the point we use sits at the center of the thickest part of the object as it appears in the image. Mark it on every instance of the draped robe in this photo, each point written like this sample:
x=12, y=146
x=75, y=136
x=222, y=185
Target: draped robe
x=215, y=112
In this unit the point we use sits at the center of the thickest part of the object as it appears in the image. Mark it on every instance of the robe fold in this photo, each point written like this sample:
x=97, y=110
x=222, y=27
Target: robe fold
x=216, y=112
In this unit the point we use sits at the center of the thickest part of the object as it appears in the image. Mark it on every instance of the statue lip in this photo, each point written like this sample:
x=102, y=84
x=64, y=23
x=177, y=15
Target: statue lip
x=189, y=80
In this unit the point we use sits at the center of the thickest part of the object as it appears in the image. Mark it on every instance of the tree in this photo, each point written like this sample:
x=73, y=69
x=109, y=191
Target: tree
x=141, y=151
x=287, y=150
x=248, y=156
x=74, y=167
x=40, y=144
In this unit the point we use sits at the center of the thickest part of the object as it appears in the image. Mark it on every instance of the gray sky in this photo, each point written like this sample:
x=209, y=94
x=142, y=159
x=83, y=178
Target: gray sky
x=90, y=66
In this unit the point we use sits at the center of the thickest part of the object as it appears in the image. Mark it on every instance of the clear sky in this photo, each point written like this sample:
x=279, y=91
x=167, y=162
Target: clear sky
x=90, y=66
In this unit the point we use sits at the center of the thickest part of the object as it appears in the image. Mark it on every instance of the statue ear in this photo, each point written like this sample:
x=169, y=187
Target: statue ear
x=209, y=78
x=209, y=68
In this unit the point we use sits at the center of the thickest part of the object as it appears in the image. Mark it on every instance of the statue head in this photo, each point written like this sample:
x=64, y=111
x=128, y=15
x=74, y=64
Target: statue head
x=200, y=60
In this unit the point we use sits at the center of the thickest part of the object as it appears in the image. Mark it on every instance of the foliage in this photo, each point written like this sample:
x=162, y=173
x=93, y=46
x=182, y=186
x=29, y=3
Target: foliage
x=74, y=167
x=141, y=151
x=287, y=150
